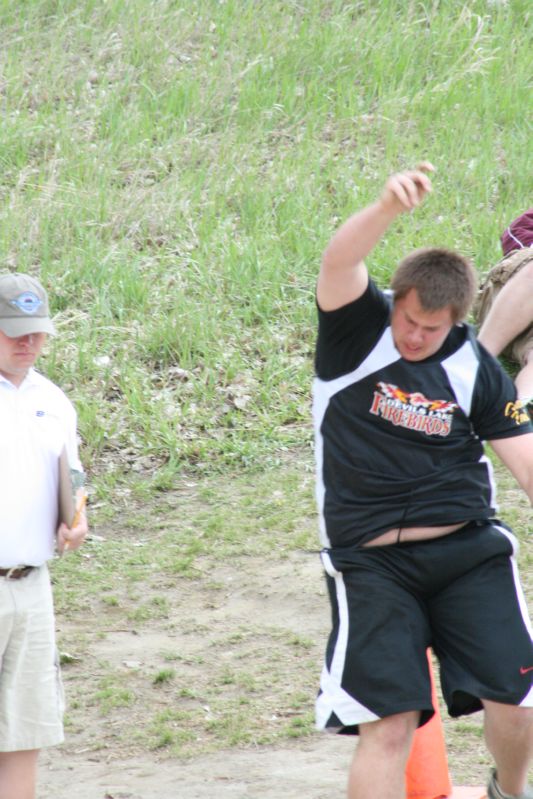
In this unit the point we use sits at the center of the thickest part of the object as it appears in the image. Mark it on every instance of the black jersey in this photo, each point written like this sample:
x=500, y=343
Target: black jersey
x=399, y=443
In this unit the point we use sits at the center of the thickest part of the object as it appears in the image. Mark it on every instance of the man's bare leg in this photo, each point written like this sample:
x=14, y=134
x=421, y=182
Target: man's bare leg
x=510, y=314
x=378, y=766
x=509, y=738
x=18, y=774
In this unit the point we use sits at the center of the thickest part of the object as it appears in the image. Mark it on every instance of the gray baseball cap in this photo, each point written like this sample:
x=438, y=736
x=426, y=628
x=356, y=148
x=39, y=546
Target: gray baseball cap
x=23, y=306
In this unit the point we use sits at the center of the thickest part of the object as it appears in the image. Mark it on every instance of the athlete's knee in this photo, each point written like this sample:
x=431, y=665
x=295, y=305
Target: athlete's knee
x=393, y=734
x=520, y=719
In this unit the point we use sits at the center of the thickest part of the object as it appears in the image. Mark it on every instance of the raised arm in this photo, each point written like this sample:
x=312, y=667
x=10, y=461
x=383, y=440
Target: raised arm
x=343, y=276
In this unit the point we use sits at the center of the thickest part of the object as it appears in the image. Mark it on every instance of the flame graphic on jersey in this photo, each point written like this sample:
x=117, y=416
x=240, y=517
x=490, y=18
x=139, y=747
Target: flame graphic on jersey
x=412, y=410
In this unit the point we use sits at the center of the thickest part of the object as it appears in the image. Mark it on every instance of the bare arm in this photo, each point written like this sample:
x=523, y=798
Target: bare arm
x=510, y=313
x=343, y=276
x=517, y=455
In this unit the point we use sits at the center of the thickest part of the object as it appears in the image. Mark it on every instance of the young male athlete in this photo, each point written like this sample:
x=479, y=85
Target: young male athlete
x=504, y=305
x=404, y=398
x=37, y=422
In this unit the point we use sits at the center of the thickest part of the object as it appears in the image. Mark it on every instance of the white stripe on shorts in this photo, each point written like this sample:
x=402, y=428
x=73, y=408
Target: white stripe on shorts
x=333, y=698
x=527, y=701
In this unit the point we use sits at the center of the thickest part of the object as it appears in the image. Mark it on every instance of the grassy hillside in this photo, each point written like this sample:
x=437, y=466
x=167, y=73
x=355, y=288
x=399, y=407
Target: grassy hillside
x=173, y=170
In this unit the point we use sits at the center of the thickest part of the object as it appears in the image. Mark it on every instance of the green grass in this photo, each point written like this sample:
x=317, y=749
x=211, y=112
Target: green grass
x=214, y=680
x=209, y=522
x=164, y=676
x=172, y=171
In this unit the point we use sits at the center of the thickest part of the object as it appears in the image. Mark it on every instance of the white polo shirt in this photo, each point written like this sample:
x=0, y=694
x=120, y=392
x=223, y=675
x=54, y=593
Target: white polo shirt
x=36, y=422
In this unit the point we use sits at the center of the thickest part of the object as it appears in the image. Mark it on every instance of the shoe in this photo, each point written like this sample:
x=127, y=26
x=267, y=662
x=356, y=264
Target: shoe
x=495, y=792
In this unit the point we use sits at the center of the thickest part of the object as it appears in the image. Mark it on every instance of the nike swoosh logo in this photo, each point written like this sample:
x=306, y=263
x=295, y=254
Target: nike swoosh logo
x=525, y=669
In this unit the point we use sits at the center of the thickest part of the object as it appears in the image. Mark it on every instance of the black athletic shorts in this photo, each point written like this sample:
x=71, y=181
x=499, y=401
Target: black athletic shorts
x=459, y=594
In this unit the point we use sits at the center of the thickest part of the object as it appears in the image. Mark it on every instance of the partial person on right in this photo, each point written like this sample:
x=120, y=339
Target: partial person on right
x=504, y=306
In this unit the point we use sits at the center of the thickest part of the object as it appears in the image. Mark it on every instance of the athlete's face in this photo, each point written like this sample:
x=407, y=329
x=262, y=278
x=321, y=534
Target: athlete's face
x=418, y=333
x=18, y=354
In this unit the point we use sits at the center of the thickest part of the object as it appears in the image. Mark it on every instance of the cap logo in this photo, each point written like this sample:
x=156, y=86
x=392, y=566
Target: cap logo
x=28, y=302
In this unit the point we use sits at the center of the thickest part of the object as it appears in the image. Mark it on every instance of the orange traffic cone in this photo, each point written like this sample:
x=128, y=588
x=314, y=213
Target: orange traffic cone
x=426, y=773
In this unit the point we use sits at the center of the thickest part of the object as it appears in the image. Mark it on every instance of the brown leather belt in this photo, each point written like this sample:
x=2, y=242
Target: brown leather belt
x=16, y=572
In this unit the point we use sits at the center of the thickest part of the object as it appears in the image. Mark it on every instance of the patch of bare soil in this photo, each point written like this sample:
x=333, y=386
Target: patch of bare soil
x=313, y=769
x=106, y=756
x=288, y=595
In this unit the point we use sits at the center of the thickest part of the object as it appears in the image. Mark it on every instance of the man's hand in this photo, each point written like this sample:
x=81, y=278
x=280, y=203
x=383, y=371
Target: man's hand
x=71, y=538
x=343, y=276
x=404, y=191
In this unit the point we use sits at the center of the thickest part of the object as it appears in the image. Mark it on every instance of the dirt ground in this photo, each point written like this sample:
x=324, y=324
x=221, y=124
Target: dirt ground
x=244, y=635
x=313, y=767
x=286, y=592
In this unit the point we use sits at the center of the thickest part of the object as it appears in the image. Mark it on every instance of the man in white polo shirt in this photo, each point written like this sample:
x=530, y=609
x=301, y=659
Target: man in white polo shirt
x=37, y=423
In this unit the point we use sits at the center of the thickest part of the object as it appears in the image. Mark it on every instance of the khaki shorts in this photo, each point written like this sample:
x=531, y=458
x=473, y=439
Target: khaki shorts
x=31, y=693
x=519, y=349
